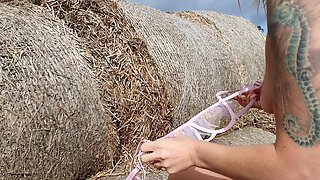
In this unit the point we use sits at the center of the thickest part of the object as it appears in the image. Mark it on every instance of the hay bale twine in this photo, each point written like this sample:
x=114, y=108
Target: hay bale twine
x=52, y=124
x=199, y=53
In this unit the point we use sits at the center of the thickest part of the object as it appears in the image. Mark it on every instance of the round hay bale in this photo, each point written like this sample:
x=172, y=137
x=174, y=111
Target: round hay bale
x=199, y=53
x=131, y=90
x=52, y=123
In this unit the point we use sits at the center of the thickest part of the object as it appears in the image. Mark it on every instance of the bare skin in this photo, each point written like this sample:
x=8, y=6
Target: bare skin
x=290, y=89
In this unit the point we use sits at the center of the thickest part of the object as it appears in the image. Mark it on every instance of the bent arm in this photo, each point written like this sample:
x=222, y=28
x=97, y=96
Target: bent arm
x=242, y=162
x=291, y=90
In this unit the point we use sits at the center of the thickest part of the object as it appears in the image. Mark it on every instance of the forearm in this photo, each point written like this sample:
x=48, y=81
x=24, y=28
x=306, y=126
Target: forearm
x=240, y=162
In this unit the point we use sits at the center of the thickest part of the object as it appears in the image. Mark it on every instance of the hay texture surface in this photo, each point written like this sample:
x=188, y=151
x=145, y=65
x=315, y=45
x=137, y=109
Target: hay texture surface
x=199, y=54
x=131, y=90
x=256, y=118
x=52, y=123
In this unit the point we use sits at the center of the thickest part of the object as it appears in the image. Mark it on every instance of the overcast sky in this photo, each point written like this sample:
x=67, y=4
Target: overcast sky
x=248, y=8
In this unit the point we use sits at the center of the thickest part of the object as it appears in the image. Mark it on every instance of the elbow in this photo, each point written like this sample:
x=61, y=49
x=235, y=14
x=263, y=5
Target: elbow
x=298, y=174
x=266, y=105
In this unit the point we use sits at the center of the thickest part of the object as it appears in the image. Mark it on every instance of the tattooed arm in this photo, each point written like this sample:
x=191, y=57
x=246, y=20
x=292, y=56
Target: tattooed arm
x=291, y=26
x=293, y=60
x=293, y=76
x=294, y=29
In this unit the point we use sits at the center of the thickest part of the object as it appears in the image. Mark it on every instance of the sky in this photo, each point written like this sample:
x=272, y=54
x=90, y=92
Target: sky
x=248, y=8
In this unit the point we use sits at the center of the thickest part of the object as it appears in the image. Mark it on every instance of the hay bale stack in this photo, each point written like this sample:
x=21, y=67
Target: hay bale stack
x=155, y=68
x=52, y=123
x=199, y=53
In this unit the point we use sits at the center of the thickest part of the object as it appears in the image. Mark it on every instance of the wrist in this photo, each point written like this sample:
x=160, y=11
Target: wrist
x=196, y=154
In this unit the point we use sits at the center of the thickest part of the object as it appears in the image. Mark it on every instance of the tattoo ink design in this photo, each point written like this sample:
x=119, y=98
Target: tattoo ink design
x=297, y=64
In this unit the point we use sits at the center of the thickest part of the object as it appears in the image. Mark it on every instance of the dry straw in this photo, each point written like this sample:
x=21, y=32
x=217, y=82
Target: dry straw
x=53, y=125
x=131, y=90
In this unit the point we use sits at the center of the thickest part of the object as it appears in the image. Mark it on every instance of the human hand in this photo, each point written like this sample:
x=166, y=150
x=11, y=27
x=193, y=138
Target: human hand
x=245, y=98
x=174, y=154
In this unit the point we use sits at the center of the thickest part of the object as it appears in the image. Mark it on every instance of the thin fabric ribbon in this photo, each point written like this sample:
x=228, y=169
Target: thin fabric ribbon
x=202, y=126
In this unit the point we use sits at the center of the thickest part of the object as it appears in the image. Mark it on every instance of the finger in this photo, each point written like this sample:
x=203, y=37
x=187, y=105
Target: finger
x=150, y=157
x=257, y=92
x=252, y=97
x=239, y=100
x=243, y=99
x=241, y=95
x=149, y=146
x=249, y=97
x=158, y=165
